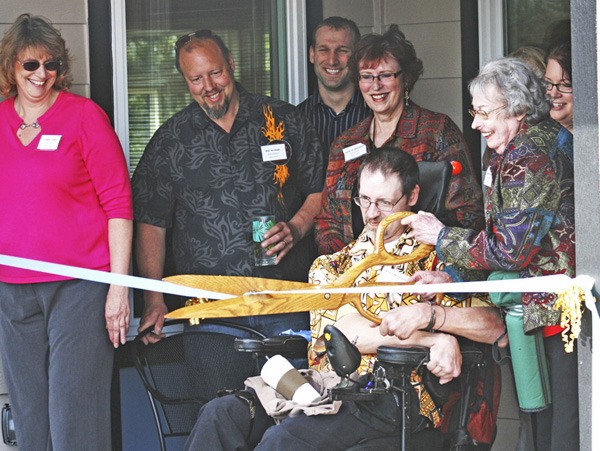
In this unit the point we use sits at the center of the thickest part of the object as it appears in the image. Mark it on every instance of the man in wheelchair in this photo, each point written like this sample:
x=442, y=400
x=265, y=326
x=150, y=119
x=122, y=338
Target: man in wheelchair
x=388, y=183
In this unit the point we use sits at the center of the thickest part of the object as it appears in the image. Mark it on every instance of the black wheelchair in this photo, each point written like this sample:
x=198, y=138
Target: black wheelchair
x=392, y=375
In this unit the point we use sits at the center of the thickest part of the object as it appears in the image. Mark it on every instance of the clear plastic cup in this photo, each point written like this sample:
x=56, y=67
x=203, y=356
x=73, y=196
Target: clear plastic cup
x=260, y=225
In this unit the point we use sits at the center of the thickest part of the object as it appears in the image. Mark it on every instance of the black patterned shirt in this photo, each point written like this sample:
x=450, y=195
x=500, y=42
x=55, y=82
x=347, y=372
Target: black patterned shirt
x=329, y=124
x=205, y=185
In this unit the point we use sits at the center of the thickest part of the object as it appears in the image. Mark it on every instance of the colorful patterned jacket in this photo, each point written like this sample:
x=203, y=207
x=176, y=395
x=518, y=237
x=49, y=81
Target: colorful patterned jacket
x=529, y=218
x=427, y=136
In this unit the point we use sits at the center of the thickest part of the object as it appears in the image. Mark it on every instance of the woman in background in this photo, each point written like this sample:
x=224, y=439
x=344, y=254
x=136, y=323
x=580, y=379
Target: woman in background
x=533, y=56
x=64, y=198
x=559, y=85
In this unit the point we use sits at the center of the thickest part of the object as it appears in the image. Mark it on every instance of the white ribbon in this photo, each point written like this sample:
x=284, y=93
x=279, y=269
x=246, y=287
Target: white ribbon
x=554, y=283
x=110, y=278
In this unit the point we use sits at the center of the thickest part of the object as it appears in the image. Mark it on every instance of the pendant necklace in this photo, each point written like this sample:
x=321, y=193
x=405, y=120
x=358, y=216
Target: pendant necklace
x=23, y=126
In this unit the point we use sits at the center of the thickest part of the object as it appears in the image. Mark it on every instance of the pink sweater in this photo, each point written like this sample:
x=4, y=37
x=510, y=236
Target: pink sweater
x=55, y=204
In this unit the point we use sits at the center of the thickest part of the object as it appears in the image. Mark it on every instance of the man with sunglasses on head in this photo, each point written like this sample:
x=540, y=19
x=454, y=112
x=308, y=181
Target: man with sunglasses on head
x=229, y=156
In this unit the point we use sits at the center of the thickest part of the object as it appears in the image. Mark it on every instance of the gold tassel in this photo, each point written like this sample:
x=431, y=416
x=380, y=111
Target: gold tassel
x=570, y=303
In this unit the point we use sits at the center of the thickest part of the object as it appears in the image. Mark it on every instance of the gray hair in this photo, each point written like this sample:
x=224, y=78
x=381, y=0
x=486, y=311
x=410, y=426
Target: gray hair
x=517, y=86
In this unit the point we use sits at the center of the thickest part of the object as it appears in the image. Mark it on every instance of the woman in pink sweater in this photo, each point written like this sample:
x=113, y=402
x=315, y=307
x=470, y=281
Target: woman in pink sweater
x=64, y=198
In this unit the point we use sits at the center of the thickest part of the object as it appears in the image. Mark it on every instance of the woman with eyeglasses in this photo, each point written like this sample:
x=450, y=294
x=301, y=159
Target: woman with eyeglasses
x=530, y=231
x=386, y=68
x=64, y=198
x=559, y=88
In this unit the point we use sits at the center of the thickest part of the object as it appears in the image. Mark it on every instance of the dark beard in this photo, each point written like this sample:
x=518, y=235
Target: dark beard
x=218, y=112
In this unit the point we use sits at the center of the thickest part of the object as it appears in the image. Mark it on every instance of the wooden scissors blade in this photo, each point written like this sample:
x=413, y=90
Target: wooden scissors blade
x=264, y=304
x=235, y=285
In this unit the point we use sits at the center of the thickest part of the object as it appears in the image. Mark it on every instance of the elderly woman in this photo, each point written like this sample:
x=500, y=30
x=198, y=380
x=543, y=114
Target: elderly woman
x=559, y=86
x=535, y=58
x=64, y=198
x=529, y=222
x=387, y=68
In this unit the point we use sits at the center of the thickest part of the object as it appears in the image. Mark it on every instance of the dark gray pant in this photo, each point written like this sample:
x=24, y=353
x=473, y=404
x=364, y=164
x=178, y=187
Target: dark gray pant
x=224, y=424
x=58, y=364
x=557, y=427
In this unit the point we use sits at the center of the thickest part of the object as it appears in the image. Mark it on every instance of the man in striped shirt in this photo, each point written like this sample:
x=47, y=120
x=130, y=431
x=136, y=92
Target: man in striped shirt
x=336, y=104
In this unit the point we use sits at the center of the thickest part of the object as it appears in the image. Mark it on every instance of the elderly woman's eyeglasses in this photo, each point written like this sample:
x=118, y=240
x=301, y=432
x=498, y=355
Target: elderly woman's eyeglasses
x=565, y=88
x=381, y=205
x=33, y=65
x=485, y=114
x=199, y=34
x=385, y=77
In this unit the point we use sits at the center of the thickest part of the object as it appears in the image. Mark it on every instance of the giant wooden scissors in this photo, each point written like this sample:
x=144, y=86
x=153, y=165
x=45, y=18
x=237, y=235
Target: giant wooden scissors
x=251, y=300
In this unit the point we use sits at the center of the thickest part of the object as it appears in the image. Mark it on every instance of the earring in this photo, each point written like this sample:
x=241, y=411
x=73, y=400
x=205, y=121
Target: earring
x=406, y=97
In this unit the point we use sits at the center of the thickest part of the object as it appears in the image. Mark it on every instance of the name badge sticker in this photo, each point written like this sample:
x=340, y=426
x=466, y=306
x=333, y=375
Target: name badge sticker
x=354, y=152
x=273, y=152
x=487, y=180
x=49, y=142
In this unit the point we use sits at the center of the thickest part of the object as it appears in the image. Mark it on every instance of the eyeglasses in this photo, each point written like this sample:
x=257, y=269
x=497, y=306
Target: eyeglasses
x=566, y=88
x=199, y=34
x=381, y=205
x=383, y=78
x=485, y=114
x=33, y=65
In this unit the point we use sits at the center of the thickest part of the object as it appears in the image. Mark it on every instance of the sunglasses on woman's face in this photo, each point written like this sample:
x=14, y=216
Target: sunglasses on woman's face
x=33, y=65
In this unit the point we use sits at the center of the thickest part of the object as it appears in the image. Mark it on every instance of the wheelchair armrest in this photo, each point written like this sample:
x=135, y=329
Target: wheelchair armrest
x=471, y=355
x=290, y=346
x=403, y=356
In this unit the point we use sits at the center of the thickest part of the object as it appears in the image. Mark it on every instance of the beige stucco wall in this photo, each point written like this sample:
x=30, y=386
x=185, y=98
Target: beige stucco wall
x=433, y=26
x=70, y=17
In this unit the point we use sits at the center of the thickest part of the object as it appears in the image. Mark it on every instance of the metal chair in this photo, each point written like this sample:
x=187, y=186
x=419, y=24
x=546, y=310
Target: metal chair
x=186, y=369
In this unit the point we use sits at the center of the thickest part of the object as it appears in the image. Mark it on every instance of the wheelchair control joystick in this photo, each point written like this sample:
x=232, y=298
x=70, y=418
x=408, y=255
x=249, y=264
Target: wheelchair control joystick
x=345, y=358
x=343, y=355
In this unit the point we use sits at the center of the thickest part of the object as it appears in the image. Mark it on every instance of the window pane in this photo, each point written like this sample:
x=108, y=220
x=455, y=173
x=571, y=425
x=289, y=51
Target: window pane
x=157, y=90
x=532, y=22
